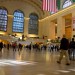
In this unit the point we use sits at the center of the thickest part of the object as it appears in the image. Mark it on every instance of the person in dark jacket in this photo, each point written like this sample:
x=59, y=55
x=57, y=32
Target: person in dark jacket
x=8, y=45
x=19, y=46
x=1, y=46
x=72, y=48
x=64, y=46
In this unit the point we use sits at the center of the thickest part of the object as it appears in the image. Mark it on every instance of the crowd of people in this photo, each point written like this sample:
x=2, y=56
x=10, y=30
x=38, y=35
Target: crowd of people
x=39, y=47
x=14, y=46
x=65, y=47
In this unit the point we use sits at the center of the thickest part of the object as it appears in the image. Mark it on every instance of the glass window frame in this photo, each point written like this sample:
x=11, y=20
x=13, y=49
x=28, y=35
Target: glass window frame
x=17, y=21
x=66, y=4
x=31, y=28
x=2, y=19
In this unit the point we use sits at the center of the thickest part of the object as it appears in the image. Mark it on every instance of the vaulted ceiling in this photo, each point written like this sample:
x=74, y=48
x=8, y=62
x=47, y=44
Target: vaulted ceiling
x=35, y=3
x=38, y=3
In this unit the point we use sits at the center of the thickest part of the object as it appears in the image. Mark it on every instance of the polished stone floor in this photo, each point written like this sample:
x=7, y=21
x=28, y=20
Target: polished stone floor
x=33, y=62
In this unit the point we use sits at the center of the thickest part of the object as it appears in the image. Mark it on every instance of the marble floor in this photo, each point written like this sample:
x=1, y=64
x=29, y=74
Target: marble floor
x=33, y=62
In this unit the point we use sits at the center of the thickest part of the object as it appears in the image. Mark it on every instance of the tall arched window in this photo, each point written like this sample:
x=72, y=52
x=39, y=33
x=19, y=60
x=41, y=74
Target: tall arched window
x=18, y=21
x=67, y=3
x=33, y=24
x=3, y=19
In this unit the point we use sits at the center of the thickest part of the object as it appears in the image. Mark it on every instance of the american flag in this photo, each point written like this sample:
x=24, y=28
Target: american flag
x=49, y=5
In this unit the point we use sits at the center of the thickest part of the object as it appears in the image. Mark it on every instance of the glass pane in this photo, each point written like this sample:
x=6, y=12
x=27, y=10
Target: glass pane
x=3, y=19
x=33, y=24
x=67, y=3
x=18, y=22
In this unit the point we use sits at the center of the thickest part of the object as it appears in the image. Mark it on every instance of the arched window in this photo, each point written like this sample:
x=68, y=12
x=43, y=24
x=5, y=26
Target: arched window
x=67, y=3
x=3, y=19
x=18, y=21
x=33, y=24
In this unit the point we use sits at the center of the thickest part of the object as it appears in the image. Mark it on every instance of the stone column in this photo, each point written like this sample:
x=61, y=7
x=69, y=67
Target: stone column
x=60, y=26
x=26, y=26
x=51, y=32
x=10, y=24
x=47, y=29
x=73, y=26
x=61, y=4
x=40, y=29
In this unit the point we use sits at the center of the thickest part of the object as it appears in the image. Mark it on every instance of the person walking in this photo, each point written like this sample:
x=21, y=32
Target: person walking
x=72, y=49
x=14, y=45
x=20, y=47
x=8, y=45
x=1, y=46
x=64, y=46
